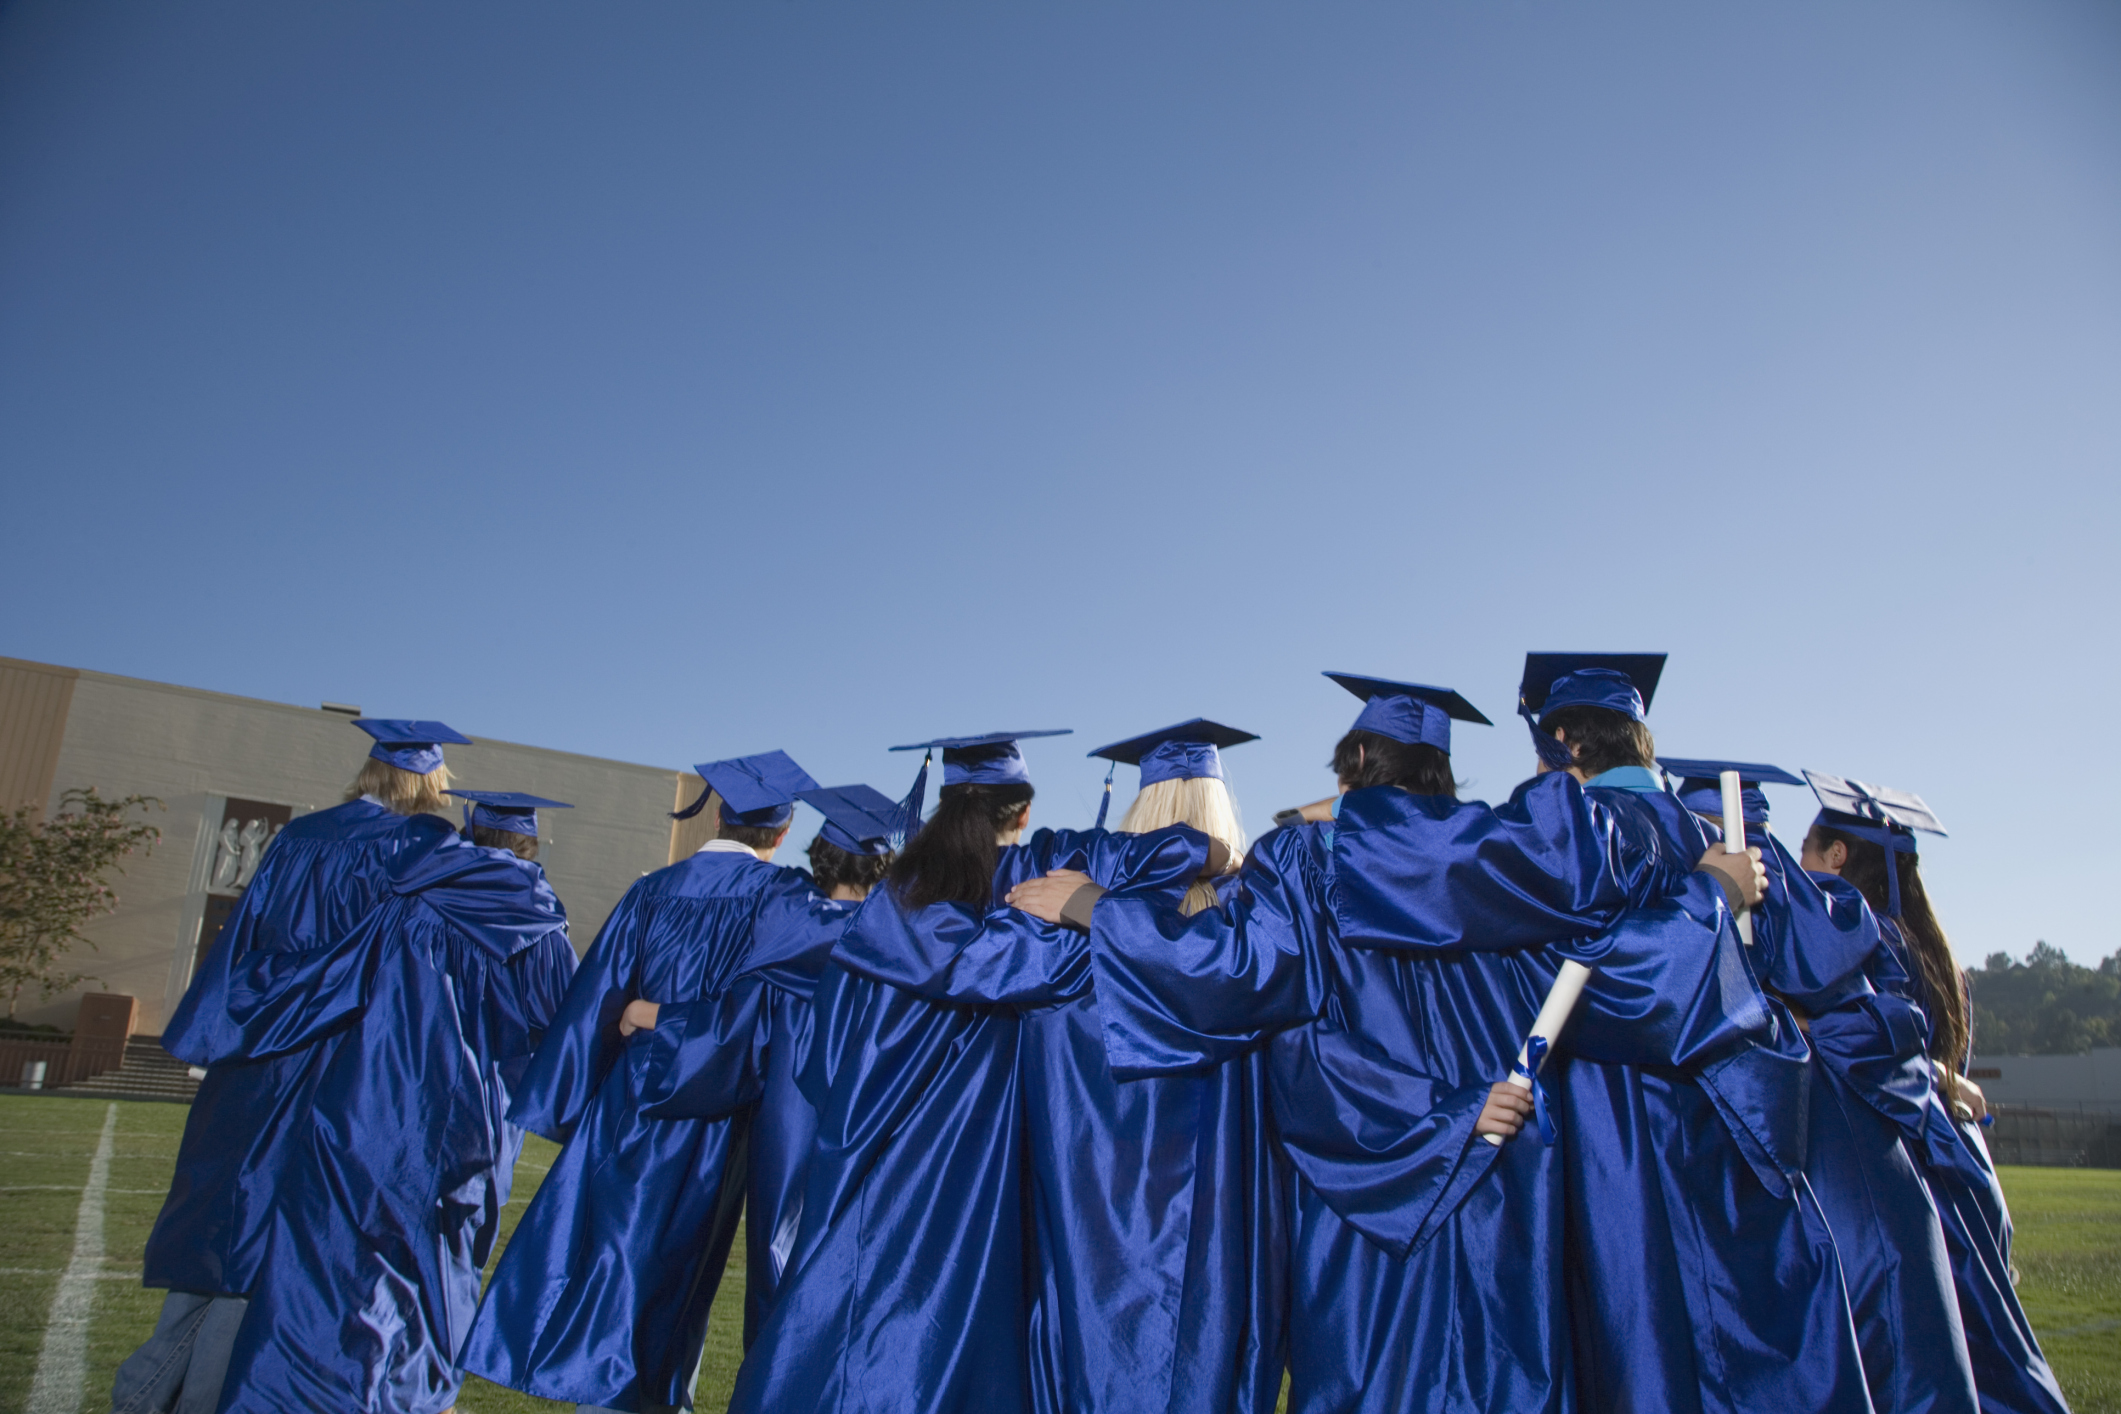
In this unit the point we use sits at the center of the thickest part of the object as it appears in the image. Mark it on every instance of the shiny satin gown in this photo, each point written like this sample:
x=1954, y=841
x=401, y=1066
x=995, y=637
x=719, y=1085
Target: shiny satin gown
x=320, y=877
x=401, y=1162
x=1427, y=1265
x=925, y=1275
x=1816, y=943
x=1703, y=1275
x=603, y=1295
x=2010, y=1372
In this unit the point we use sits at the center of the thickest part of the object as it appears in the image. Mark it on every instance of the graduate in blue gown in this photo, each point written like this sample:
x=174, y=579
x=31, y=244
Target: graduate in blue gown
x=1816, y=946
x=1427, y=1265
x=1866, y=835
x=383, y=1220
x=1703, y=1275
x=1157, y=1203
x=912, y=1278
x=690, y=1047
x=603, y=1294
x=320, y=876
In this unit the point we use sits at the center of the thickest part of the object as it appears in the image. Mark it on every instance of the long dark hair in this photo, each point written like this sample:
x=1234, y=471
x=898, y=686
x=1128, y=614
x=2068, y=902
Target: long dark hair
x=952, y=858
x=1950, y=1031
x=1364, y=758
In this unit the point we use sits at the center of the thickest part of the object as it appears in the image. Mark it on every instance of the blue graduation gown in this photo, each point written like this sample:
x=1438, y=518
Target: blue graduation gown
x=2010, y=1372
x=1427, y=1266
x=320, y=877
x=603, y=1294
x=698, y=1055
x=1702, y=1274
x=917, y=1272
x=1814, y=942
x=381, y=1221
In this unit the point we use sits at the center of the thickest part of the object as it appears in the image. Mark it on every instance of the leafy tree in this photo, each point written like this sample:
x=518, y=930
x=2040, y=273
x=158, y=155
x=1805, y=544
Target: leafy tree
x=2045, y=1005
x=52, y=883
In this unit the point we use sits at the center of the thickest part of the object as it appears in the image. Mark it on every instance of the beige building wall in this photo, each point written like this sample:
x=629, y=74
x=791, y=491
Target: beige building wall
x=197, y=750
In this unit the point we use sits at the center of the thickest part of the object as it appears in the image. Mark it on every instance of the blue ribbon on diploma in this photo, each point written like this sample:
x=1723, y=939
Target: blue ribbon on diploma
x=1535, y=1054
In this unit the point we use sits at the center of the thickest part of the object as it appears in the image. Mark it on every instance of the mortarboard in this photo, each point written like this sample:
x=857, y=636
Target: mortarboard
x=506, y=809
x=1188, y=751
x=1408, y=711
x=409, y=745
x=1701, y=784
x=859, y=819
x=755, y=790
x=1618, y=682
x=989, y=760
x=1887, y=818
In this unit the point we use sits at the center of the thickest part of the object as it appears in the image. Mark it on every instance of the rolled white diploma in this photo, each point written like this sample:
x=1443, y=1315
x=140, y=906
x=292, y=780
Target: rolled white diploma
x=1734, y=840
x=1554, y=1014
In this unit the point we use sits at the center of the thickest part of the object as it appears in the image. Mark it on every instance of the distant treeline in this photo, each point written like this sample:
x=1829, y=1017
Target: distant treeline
x=2045, y=1005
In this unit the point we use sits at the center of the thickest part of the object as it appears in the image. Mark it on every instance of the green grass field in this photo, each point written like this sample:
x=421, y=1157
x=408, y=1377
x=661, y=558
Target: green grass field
x=2069, y=1256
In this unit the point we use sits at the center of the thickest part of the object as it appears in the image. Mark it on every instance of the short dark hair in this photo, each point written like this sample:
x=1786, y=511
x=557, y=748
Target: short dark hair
x=1601, y=739
x=1365, y=758
x=522, y=846
x=749, y=836
x=832, y=866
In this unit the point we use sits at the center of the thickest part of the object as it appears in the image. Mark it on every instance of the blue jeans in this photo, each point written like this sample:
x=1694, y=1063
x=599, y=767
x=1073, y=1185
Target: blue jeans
x=178, y=1369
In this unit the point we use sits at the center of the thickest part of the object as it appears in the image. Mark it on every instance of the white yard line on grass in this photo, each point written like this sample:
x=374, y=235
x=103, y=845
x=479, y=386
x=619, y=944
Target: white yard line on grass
x=62, y=1361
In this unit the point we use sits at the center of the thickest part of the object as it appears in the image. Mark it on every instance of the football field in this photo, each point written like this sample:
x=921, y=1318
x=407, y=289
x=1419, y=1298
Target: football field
x=83, y=1179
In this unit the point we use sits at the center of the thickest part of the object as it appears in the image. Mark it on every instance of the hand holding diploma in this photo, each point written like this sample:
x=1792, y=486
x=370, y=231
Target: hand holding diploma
x=1734, y=840
x=1554, y=1014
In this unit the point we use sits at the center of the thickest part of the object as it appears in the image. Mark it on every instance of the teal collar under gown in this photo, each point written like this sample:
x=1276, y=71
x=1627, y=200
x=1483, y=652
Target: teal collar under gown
x=320, y=877
x=2011, y=1374
x=603, y=1295
x=1817, y=945
x=925, y=1273
x=401, y=1157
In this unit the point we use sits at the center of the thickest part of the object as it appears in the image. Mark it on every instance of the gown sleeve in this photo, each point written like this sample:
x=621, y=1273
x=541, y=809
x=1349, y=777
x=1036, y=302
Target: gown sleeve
x=1177, y=993
x=583, y=1040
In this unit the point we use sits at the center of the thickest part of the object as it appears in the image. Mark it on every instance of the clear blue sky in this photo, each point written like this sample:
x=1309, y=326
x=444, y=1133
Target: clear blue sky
x=670, y=381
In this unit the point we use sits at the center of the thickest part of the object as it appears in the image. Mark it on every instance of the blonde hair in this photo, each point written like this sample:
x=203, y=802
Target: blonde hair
x=402, y=792
x=1202, y=802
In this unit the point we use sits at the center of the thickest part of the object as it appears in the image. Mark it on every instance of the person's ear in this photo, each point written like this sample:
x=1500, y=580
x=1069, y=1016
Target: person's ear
x=1023, y=818
x=1837, y=856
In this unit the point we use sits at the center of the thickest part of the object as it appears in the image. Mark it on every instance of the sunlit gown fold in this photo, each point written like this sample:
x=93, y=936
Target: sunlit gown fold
x=603, y=1295
x=2010, y=1372
x=381, y=1225
x=320, y=877
x=919, y=1278
x=1702, y=1273
x=1815, y=942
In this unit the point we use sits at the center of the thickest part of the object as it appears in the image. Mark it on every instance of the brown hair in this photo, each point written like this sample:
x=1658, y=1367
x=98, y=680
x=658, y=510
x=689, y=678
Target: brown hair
x=520, y=845
x=1601, y=739
x=401, y=792
x=1950, y=1030
x=953, y=857
x=831, y=866
x=1365, y=758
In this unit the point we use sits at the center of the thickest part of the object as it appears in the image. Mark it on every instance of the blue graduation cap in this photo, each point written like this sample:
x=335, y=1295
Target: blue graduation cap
x=1408, y=711
x=1701, y=784
x=409, y=745
x=859, y=819
x=505, y=809
x=989, y=760
x=1618, y=682
x=755, y=790
x=1189, y=751
x=1887, y=818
